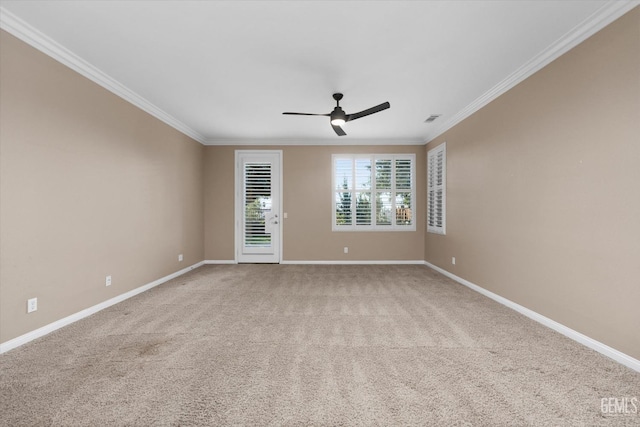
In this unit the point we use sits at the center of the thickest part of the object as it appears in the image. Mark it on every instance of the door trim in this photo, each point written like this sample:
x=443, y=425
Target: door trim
x=238, y=200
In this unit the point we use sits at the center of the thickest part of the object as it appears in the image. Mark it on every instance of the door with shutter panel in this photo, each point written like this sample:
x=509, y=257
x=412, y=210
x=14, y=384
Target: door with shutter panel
x=258, y=206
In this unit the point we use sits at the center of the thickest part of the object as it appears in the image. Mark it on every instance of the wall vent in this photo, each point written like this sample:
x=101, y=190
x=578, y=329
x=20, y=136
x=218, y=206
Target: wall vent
x=432, y=117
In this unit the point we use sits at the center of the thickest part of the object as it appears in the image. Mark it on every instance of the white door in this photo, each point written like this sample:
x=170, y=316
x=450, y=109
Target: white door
x=258, y=206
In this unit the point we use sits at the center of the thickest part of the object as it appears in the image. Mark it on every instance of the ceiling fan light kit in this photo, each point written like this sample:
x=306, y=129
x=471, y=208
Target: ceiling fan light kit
x=338, y=117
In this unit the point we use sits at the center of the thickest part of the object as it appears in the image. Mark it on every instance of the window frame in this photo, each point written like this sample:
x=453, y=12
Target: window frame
x=434, y=152
x=394, y=190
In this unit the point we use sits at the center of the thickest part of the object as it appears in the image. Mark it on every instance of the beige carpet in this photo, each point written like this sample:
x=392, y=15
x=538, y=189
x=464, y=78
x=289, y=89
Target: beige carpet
x=309, y=345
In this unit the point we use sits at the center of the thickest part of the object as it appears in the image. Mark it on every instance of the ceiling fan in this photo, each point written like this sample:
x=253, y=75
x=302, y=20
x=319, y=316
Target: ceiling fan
x=339, y=117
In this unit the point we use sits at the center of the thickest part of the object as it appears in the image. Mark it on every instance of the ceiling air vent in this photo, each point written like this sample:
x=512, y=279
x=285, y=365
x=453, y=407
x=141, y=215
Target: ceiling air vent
x=432, y=117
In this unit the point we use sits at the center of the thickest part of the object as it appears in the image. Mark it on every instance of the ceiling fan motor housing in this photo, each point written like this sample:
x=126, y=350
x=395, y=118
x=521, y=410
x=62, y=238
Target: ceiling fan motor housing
x=338, y=114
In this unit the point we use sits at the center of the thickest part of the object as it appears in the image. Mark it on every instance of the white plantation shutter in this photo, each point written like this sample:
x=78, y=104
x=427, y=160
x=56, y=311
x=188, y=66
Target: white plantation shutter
x=384, y=183
x=257, y=202
x=373, y=192
x=363, y=191
x=343, y=192
x=404, y=193
x=436, y=189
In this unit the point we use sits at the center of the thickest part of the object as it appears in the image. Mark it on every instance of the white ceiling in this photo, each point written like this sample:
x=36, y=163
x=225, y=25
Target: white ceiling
x=224, y=71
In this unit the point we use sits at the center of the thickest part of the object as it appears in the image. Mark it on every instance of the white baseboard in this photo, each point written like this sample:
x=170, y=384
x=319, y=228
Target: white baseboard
x=231, y=261
x=601, y=348
x=219, y=261
x=40, y=332
x=604, y=349
x=356, y=262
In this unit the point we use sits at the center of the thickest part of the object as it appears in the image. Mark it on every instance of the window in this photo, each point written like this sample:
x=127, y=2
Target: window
x=436, y=189
x=374, y=192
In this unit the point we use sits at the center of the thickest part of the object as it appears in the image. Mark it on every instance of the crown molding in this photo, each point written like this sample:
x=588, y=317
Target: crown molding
x=594, y=23
x=604, y=16
x=303, y=141
x=28, y=34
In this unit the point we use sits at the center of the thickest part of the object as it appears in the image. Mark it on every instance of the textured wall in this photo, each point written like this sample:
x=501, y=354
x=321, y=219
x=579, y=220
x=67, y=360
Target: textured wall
x=543, y=191
x=90, y=186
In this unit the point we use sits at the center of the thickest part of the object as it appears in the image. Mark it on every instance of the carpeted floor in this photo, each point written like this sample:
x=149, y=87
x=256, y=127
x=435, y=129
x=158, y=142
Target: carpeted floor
x=309, y=345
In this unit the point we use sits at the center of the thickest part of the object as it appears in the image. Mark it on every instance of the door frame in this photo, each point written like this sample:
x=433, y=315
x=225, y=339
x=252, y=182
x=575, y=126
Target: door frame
x=238, y=199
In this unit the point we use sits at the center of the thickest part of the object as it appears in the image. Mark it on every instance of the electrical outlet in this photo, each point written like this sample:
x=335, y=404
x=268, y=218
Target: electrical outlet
x=32, y=305
x=108, y=281
x=346, y=250
x=180, y=258
x=453, y=260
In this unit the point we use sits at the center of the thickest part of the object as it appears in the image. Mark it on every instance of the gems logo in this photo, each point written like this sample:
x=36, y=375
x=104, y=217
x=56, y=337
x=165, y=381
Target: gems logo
x=619, y=405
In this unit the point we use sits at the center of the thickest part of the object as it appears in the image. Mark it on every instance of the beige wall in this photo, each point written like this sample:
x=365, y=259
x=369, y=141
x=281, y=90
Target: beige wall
x=307, y=234
x=543, y=201
x=543, y=191
x=219, y=203
x=90, y=186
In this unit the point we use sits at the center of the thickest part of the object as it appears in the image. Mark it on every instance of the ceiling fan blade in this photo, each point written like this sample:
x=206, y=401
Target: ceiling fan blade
x=306, y=114
x=368, y=111
x=338, y=130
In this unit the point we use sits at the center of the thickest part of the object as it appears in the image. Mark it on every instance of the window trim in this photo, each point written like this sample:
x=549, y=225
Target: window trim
x=373, y=228
x=443, y=187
